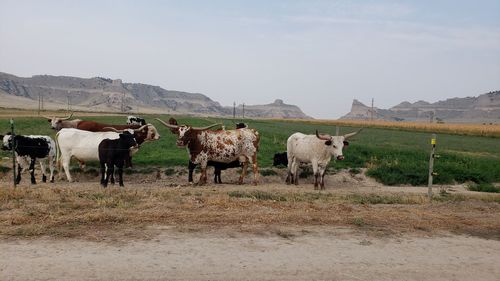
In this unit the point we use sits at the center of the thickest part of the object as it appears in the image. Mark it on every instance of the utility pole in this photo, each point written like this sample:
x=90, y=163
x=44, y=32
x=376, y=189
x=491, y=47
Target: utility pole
x=371, y=117
x=39, y=103
x=234, y=110
x=243, y=110
x=431, y=117
x=123, y=106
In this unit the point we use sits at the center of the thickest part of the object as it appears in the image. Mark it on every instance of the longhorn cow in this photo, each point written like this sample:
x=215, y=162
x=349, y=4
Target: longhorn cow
x=315, y=149
x=224, y=146
x=83, y=145
x=57, y=123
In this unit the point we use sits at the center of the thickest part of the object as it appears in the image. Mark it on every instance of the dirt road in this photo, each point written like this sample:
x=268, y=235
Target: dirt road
x=304, y=253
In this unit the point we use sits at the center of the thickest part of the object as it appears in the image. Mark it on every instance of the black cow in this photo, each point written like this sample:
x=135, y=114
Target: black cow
x=218, y=167
x=280, y=158
x=28, y=149
x=114, y=153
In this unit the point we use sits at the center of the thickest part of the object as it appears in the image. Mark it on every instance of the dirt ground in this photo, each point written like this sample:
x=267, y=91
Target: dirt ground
x=160, y=228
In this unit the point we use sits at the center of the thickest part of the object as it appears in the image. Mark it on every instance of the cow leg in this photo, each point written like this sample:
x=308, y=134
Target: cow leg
x=243, y=172
x=203, y=176
x=112, y=179
x=191, y=167
x=120, y=173
x=51, y=168
x=322, y=173
x=103, y=173
x=109, y=172
x=316, y=173
x=65, y=164
x=43, y=169
x=255, y=169
x=289, y=176
x=295, y=172
x=32, y=170
x=19, y=171
x=217, y=173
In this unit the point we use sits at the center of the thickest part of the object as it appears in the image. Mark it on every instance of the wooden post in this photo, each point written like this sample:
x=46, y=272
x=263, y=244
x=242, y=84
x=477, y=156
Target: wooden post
x=13, y=150
x=431, y=165
x=336, y=130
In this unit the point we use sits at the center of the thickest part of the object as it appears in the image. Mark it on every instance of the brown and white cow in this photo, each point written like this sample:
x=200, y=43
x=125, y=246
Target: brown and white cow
x=57, y=123
x=222, y=146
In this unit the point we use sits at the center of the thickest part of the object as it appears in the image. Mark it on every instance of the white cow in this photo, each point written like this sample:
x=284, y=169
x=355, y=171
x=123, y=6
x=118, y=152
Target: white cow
x=82, y=145
x=315, y=149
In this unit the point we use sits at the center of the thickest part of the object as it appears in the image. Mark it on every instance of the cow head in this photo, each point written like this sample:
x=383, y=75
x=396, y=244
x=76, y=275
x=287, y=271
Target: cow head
x=185, y=133
x=6, y=141
x=57, y=122
x=127, y=140
x=336, y=143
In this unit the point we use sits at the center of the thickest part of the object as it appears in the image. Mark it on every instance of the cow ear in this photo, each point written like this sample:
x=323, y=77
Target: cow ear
x=329, y=142
x=346, y=143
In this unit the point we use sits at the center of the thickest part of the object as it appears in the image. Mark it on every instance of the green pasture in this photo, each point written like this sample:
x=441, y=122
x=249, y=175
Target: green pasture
x=392, y=156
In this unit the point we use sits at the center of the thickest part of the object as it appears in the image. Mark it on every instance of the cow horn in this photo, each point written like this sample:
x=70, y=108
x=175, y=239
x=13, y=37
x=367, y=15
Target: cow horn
x=67, y=117
x=49, y=118
x=323, y=136
x=346, y=136
x=207, y=127
x=167, y=125
x=113, y=129
x=142, y=127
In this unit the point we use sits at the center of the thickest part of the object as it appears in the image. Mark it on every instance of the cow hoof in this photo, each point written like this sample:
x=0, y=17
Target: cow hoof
x=44, y=178
x=52, y=180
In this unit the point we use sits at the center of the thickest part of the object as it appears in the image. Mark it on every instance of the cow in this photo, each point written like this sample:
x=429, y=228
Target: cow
x=315, y=149
x=82, y=145
x=147, y=132
x=114, y=152
x=57, y=123
x=218, y=167
x=133, y=120
x=220, y=146
x=28, y=149
x=280, y=158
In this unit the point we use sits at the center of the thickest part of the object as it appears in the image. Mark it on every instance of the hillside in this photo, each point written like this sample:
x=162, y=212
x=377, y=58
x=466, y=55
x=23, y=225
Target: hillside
x=484, y=109
x=103, y=94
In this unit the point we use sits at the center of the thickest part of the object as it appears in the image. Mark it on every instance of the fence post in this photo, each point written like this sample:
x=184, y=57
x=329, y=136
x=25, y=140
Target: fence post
x=13, y=150
x=337, y=130
x=431, y=165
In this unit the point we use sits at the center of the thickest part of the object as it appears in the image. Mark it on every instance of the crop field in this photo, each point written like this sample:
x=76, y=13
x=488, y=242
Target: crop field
x=393, y=155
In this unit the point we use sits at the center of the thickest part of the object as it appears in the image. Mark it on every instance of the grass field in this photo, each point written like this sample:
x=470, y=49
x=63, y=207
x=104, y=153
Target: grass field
x=393, y=155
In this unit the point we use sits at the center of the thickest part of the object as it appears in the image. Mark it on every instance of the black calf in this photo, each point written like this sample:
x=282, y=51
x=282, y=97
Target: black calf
x=218, y=167
x=114, y=153
x=280, y=159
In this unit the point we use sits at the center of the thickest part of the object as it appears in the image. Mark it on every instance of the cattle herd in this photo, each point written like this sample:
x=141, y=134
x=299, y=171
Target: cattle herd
x=114, y=145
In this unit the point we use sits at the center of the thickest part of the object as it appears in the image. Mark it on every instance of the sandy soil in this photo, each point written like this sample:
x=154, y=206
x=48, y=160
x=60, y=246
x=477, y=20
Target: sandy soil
x=304, y=254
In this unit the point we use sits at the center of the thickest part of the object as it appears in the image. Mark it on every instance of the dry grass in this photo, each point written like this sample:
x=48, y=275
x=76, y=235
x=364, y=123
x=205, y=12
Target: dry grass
x=80, y=212
x=452, y=128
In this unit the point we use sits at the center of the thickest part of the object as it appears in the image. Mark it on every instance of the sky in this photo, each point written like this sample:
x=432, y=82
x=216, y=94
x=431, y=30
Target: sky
x=319, y=55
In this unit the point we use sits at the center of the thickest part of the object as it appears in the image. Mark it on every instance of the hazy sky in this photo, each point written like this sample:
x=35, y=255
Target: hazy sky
x=316, y=54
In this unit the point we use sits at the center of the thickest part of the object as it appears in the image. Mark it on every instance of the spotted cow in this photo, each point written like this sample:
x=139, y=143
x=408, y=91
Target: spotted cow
x=224, y=146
